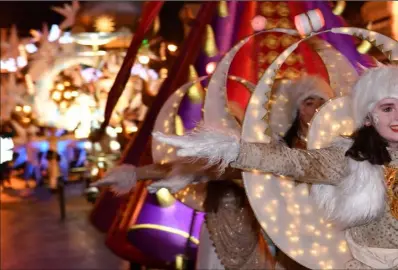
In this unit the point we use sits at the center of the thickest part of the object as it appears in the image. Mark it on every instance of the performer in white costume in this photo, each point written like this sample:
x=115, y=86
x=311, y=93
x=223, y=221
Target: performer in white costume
x=346, y=183
x=357, y=175
x=295, y=104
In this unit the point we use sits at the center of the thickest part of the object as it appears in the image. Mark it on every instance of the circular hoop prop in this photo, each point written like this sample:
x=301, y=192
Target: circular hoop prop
x=193, y=196
x=286, y=212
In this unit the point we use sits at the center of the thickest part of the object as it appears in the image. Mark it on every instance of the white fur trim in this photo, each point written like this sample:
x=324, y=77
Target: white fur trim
x=374, y=85
x=358, y=199
x=220, y=146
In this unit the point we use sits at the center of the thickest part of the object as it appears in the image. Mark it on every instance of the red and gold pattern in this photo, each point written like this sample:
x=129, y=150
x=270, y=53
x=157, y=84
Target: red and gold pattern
x=272, y=44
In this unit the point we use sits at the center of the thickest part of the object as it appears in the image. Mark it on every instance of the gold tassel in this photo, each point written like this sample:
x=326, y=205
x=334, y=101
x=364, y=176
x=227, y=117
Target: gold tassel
x=222, y=9
x=210, y=46
x=195, y=92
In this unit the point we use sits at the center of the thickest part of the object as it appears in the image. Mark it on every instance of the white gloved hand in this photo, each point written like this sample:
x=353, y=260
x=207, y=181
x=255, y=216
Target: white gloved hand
x=181, y=176
x=6, y=148
x=173, y=184
x=121, y=179
x=216, y=145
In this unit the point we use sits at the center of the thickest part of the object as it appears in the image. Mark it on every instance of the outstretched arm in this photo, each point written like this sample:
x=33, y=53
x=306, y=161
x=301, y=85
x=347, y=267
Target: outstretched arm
x=225, y=149
x=323, y=166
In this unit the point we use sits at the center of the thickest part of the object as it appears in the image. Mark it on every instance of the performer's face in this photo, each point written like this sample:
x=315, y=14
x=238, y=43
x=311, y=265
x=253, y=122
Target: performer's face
x=385, y=119
x=308, y=108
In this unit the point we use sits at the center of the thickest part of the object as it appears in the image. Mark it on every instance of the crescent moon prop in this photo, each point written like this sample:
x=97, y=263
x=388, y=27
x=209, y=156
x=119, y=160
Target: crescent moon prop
x=287, y=213
x=165, y=123
x=216, y=112
x=193, y=195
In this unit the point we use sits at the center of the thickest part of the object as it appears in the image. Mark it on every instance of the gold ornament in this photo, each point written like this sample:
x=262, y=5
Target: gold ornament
x=282, y=9
x=271, y=56
x=268, y=9
x=272, y=42
x=223, y=9
x=104, y=24
x=391, y=176
x=210, y=47
x=285, y=23
x=287, y=40
x=292, y=59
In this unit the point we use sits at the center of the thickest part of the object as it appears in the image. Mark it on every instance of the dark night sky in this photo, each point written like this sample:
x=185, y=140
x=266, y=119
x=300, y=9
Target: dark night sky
x=31, y=14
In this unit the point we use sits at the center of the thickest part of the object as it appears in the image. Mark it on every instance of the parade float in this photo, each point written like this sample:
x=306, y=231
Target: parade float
x=219, y=32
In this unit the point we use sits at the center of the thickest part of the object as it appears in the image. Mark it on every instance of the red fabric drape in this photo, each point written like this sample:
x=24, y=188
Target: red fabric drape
x=103, y=213
x=244, y=64
x=150, y=11
x=138, y=146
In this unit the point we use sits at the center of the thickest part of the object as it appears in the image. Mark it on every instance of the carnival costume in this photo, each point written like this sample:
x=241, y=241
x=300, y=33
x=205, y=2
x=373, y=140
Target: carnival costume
x=352, y=194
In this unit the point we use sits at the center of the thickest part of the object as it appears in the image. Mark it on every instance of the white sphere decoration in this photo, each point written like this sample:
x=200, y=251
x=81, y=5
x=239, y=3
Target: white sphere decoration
x=309, y=22
x=258, y=23
x=210, y=67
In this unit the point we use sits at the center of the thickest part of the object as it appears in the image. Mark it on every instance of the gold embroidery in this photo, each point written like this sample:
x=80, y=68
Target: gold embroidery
x=391, y=175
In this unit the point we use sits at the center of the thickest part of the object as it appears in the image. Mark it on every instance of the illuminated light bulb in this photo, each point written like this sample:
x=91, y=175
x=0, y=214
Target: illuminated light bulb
x=170, y=150
x=88, y=145
x=322, y=133
x=114, y=145
x=143, y=59
x=94, y=171
x=260, y=188
x=60, y=87
x=18, y=108
x=56, y=95
x=343, y=247
x=294, y=239
x=27, y=109
x=63, y=105
x=327, y=116
x=273, y=218
x=329, y=236
x=172, y=47
x=67, y=95
x=276, y=230
x=210, y=67
x=163, y=73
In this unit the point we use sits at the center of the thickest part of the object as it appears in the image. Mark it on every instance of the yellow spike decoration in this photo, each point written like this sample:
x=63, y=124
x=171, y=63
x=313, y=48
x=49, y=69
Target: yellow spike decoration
x=179, y=126
x=195, y=92
x=222, y=9
x=210, y=46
